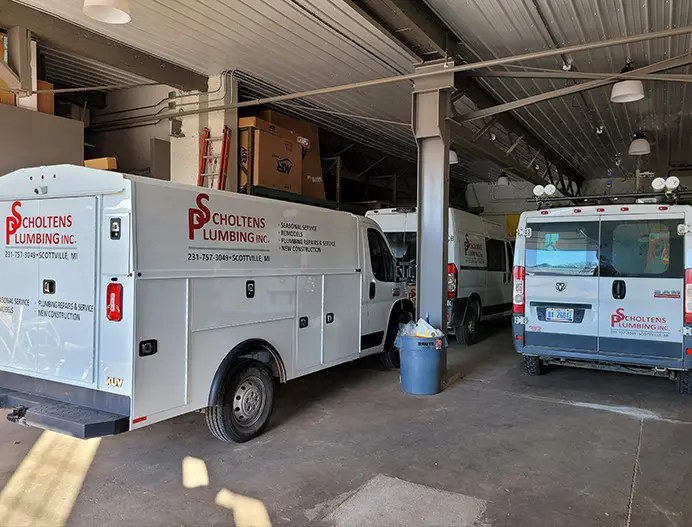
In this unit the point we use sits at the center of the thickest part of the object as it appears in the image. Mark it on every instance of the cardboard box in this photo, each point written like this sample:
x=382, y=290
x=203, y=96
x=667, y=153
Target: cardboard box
x=46, y=101
x=7, y=97
x=313, y=184
x=102, y=163
x=277, y=161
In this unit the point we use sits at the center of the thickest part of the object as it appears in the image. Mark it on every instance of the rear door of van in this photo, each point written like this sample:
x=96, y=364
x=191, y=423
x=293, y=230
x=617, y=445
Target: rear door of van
x=47, y=288
x=562, y=284
x=641, y=286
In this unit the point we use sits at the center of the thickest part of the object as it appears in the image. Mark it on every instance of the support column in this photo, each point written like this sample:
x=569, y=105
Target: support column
x=231, y=120
x=431, y=111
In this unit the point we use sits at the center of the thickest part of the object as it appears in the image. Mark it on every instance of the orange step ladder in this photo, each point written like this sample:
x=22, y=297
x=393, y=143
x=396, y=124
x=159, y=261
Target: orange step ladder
x=213, y=167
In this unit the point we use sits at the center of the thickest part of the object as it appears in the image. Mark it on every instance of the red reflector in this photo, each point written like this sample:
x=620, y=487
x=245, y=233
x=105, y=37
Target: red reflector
x=114, y=302
x=139, y=420
x=624, y=209
x=600, y=210
x=577, y=210
x=662, y=208
x=519, y=337
x=544, y=212
x=689, y=351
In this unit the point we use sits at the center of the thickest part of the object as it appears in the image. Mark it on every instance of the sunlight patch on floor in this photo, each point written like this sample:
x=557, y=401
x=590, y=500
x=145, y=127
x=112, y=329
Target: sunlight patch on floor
x=45, y=486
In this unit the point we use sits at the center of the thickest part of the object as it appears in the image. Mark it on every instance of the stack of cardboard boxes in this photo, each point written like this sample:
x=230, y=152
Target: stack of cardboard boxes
x=286, y=154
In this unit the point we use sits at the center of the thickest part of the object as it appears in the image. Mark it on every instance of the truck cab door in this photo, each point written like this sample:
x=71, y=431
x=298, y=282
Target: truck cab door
x=380, y=289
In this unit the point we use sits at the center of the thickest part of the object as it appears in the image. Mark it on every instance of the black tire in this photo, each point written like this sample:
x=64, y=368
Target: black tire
x=466, y=333
x=247, y=397
x=390, y=354
x=684, y=382
x=531, y=365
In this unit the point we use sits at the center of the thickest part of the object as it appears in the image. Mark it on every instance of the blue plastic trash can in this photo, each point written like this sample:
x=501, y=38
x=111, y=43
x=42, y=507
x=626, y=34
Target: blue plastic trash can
x=421, y=364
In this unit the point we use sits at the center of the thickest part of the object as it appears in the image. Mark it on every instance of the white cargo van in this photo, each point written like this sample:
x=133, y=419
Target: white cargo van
x=479, y=270
x=125, y=301
x=607, y=287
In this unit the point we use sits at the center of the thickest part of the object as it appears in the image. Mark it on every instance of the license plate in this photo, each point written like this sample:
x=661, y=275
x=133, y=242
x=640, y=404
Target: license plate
x=559, y=315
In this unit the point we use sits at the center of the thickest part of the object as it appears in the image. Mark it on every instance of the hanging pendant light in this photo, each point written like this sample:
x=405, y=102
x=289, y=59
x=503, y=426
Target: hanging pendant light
x=640, y=145
x=629, y=90
x=503, y=180
x=108, y=11
x=453, y=157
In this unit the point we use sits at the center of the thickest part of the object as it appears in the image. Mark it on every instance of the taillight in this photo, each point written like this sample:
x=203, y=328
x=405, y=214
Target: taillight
x=452, y=280
x=688, y=296
x=114, y=302
x=518, y=292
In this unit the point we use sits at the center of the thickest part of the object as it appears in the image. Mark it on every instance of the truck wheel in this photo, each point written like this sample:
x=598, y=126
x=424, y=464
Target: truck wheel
x=531, y=365
x=247, y=401
x=390, y=353
x=466, y=333
x=684, y=382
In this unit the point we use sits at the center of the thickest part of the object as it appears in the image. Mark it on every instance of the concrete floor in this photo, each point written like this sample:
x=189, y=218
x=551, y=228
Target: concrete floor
x=571, y=448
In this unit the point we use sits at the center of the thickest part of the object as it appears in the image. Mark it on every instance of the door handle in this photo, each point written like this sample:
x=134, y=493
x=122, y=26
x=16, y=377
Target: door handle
x=373, y=290
x=619, y=289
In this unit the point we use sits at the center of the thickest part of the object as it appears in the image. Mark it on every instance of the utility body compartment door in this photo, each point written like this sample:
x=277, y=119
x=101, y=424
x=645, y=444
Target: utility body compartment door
x=562, y=308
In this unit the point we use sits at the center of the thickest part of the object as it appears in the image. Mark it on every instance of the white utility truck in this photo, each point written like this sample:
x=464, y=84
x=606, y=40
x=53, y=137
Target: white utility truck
x=125, y=301
x=479, y=256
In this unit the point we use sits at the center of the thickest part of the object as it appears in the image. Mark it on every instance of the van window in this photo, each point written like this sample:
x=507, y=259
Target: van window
x=644, y=248
x=383, y=264
x=563, y=249
x=497, y=260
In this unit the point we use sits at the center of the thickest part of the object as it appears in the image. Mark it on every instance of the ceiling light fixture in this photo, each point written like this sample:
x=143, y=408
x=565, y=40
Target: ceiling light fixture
x=108, y=11
x=453, y=157
x=503, y=180
x=640, y=145
x=629, y=90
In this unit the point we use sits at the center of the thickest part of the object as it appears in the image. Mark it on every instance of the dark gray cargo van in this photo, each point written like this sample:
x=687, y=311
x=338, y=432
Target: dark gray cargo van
x=606, y=287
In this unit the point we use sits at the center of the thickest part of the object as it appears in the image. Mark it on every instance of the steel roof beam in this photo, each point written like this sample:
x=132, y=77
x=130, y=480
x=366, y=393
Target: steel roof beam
x=664, y=65
x=464, y=138
x=75, y=39
x=576, y=75
x=413, y=25
x=512, y=124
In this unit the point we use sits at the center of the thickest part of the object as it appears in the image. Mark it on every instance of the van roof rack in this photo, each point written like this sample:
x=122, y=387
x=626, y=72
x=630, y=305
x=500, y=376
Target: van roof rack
x=683, y=197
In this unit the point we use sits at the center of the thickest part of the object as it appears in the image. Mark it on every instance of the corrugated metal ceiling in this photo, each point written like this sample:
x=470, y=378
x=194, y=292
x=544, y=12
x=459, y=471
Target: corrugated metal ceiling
x=495, y=28
x=293, y=44
x=279, y=46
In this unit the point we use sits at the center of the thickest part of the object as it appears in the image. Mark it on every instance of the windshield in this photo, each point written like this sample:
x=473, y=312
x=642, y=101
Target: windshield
x=403, y=245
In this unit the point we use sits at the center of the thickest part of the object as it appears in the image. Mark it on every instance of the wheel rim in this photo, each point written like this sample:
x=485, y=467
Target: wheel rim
x=248, y=401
